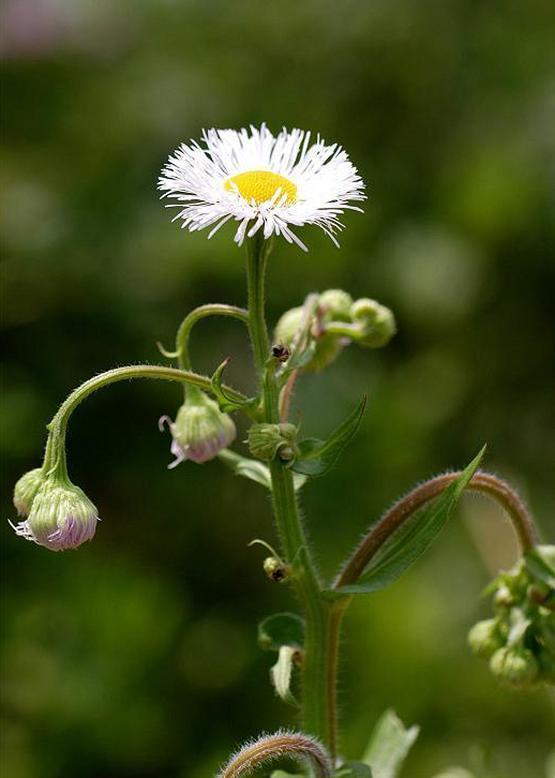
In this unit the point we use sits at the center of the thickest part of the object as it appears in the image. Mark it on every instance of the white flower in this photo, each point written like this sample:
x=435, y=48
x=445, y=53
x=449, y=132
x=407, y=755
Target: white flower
x=262, y=182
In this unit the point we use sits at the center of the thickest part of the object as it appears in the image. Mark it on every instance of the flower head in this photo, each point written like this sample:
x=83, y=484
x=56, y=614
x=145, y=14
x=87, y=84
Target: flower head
x=200, y=430
x=262, y=181
x=61, y=516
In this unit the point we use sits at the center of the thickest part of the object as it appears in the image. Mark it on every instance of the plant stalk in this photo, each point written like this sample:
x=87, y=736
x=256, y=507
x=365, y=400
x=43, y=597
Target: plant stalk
x=322, y=617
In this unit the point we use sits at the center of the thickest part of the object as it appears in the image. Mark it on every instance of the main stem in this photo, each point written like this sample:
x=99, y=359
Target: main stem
x=322, y=617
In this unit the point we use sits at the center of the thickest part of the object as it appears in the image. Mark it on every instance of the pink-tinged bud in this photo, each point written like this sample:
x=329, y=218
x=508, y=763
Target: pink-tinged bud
x=26, y=489
x=61, y=516
x=200, y=430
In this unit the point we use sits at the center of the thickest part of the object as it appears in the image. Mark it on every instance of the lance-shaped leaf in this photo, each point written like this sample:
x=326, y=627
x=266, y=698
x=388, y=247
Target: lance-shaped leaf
x=540, y=562
x=254, y=470
x=389, y=745
x=284, y=633
x=281, y=673
x=316, y=457
x=412, y=538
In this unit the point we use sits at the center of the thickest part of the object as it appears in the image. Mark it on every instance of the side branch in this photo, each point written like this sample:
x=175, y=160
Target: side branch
x=401, y=511
x=59, y=421
x=280, y=745
x=212, y=309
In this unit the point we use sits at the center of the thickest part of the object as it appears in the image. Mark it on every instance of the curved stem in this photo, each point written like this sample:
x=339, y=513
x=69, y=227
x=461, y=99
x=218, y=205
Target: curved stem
x=184, y=331
x=401, y=511
x=278, y=746
x=58, y=425
x=318, y=681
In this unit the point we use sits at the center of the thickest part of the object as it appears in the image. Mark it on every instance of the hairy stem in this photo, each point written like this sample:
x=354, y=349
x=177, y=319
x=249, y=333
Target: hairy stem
x=401, y=511
x=281, y=744
x=58, y=425
x=184, y=331
x=318, y=680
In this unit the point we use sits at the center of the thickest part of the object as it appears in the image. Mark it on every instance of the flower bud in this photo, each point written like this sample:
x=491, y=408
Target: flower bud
x=326, y=346
x=25, y=490
x=266, y=441
x=275, y=569
x=376, y=322
x=61, y=516
x=485, y=639
x=200, y=430
x=336, y=304
x=515, y=666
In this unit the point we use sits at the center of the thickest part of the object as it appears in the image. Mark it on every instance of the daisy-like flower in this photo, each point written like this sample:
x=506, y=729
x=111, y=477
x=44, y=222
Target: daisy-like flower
x=262, y=181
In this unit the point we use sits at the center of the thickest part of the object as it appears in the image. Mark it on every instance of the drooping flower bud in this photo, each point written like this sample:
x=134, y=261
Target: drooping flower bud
x=26, y=489
x=515, y=666
x=61, y=516
x=485, y=638
x=376, y=322
x=200, y=430
x=266, y=441
x=275, y=569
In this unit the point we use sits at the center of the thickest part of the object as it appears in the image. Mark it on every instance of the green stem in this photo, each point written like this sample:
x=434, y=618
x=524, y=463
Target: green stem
x=321, y=615
x=55, y=448
x=184, y=331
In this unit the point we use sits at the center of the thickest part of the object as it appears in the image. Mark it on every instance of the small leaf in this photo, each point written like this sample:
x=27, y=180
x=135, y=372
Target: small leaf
x=281, y=629
x=389, y=745
x=354, y=770
x=226, y=403
x=316, y=457
x=540, y=562
x=413, y=538
x=247, y=468
x=281, y=674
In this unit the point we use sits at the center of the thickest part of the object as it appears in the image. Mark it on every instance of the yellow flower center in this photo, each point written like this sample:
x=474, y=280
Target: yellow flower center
x=261, y=185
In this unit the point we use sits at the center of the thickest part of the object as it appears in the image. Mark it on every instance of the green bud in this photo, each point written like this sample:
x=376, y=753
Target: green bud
x=200, y=430
x=26, y=489
x=326, y=346
x=503, y=597
x=515, y=666
x=266, y=441
x=485, y=639
x=376, y=323
x=336, y=305
x=61, y=516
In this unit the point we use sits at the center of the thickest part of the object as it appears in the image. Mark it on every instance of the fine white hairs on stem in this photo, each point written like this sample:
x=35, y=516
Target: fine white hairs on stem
x=280, y=745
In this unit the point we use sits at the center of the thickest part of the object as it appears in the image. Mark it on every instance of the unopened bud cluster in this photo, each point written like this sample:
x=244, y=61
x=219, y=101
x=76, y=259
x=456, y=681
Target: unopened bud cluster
x=519, y=641
x=337, y=321
x=56, y=514
x=271, y=441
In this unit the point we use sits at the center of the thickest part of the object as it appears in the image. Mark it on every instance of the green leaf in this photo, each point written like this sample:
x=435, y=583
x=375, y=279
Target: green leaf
x=354, y=770
x=540, y=562
x=389, y=745
x=413, y=538
x=254, y=470
x=455, y=772
x=281, y=629
x=247, y=468
x=283, y=774
x=281, y=674
x=316, y=457
x=226, y=403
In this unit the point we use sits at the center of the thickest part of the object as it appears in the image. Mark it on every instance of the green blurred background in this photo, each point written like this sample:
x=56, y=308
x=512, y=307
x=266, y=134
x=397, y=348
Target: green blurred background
x=136, y=656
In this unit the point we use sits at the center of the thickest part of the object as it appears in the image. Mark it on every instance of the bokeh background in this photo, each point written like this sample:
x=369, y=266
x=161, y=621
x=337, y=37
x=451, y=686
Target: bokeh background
x=136, y=656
